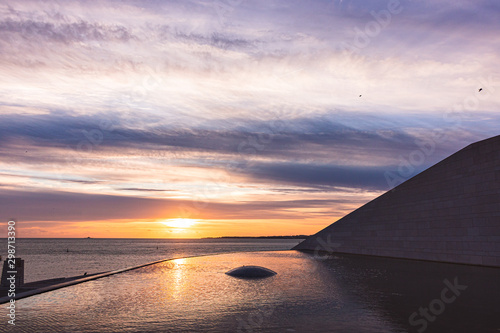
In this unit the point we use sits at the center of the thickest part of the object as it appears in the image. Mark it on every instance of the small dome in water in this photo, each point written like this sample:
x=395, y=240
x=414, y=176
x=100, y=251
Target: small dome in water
x=251, y=272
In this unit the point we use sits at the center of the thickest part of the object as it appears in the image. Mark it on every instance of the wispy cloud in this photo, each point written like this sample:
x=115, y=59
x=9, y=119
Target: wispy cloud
x=77, y=207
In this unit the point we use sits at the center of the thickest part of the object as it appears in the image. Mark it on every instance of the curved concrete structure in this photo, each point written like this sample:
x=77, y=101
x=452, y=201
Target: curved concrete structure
x=450, y=213
x=251, y=272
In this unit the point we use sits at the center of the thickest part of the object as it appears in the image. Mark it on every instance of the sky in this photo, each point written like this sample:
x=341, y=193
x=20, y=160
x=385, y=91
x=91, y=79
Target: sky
x=208, y=118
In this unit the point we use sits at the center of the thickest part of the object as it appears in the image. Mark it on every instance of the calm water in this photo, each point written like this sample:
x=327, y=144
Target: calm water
x=335, y=294
x=53, y=258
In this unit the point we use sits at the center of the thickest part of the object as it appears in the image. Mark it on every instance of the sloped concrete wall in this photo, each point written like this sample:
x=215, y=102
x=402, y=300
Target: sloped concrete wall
x=450, y=213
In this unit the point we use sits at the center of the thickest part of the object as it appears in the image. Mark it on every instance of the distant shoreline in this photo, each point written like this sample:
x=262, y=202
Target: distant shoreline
x=259, y=237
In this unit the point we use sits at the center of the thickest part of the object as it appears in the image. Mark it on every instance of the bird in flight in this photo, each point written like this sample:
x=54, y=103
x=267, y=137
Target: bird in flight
x=480, y=89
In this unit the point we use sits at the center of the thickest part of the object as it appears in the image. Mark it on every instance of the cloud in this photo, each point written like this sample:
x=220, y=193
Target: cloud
x=59, y=206
x=64, y=32
x=340, y=140
x=205, y=68
x=137, y=189
x=60, y=179
x=239, y=137
x=322, y=176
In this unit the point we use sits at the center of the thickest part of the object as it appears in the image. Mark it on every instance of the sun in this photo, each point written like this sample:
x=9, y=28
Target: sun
x=179, y=223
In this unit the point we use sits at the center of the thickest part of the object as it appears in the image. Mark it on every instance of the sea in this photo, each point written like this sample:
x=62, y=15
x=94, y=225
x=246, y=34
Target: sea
x=309, y=293
x=49, y=258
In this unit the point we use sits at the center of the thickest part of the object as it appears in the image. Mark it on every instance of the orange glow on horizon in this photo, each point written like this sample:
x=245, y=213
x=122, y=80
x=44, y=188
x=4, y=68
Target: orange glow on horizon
x=171, y=228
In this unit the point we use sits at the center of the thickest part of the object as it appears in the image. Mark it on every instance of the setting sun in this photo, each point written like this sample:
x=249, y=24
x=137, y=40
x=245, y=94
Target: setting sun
x=179, y=223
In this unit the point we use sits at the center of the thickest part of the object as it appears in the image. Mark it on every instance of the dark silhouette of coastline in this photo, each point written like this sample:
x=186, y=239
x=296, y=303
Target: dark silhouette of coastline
x=260, y=237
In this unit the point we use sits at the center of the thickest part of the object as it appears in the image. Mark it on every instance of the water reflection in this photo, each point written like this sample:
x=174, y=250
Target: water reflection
x=335, y=294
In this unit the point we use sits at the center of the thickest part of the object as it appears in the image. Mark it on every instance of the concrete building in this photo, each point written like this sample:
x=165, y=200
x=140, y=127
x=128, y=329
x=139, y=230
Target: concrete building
x=449, y=213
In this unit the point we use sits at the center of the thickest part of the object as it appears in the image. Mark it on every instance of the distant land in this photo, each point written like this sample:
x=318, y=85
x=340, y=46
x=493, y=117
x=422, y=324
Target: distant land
x=260, y=237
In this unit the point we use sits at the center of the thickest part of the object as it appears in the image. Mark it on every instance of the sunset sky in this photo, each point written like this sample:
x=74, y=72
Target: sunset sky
x=210, y=118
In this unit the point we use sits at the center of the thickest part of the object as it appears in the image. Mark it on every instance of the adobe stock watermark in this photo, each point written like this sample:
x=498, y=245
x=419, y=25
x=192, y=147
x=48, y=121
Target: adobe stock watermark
x=327, y=248
x=409, y=164
x=225, y=7
x=11, y=274
x=252, y=144
x=256, y=318
x=437, y=306
x=95, y=137
x=363, y=37
x=255, y=143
